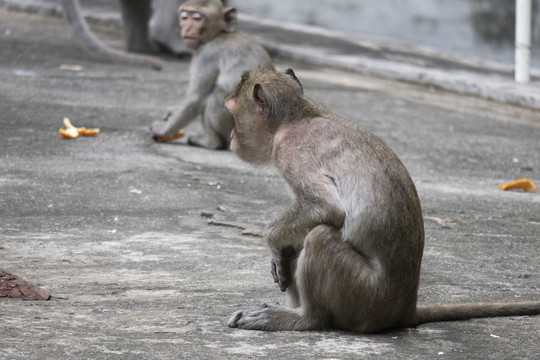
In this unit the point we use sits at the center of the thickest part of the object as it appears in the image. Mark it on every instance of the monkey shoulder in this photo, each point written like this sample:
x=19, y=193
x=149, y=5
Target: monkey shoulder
x=239, y=39
x=229, y=43
x=228, y=56
x=305, y=138
x=305, y=131
x=329, y=140
x=236, y=51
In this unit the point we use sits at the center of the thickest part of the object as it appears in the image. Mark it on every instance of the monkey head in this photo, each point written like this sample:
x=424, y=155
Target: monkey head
x=201, y=21
x=264, y=100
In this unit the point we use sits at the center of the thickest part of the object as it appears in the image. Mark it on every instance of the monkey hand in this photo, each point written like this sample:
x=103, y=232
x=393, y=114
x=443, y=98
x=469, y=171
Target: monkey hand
x=162, y=129
x=281, y=268
x=281, y=272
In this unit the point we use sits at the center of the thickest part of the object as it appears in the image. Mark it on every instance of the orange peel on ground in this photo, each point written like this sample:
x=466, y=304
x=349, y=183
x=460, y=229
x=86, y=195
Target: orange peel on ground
x=87, y=132
x=178, y=135
x=523, y=184
x=72, y=132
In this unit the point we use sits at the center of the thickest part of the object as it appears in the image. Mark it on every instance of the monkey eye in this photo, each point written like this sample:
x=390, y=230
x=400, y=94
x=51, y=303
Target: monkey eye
x=183, y=15
x=197, y=16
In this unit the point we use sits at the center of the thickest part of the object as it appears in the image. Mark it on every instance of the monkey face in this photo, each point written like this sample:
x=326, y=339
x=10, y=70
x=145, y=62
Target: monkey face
x=231, y=107
x=248, y=136
x=201, y=24
x=262, y=101
x=193, y=25
x=238, y=132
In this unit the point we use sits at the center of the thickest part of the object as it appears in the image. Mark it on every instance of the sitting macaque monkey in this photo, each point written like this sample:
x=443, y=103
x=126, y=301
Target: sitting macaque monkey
x=348, y=250
x=220, y=55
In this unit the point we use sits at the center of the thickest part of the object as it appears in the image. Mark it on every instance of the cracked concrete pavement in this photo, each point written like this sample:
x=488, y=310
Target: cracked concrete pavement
x=148, y=248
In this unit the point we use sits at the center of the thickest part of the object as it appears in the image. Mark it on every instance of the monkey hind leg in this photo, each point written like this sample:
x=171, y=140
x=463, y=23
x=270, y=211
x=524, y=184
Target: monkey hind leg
x=205, y=142
x=337, y=284
x=217, y=125
x=330, y=289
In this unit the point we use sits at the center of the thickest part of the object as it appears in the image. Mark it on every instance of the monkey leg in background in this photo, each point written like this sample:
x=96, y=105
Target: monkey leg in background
x=164, y=30
x=217, y=124
x=349, y=248
x=314, y=295
x=135, y=16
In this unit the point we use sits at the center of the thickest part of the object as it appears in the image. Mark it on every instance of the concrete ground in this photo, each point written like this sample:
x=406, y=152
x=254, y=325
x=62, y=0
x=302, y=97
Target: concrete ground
x=148, y=248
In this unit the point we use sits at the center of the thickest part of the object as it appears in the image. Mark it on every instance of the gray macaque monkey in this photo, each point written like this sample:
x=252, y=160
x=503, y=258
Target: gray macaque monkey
x=348, y=250
x=220, y=55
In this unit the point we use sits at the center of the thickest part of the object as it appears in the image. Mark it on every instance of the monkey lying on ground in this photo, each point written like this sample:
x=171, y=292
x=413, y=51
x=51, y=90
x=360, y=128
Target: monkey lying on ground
x=221, y=55
x=348, y=250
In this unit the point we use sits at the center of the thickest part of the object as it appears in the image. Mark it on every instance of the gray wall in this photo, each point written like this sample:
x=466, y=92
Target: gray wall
x=473, y=28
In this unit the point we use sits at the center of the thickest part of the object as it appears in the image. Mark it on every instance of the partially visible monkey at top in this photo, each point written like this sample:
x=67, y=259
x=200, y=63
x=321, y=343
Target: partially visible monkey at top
x=347, y=252
x=220, y=55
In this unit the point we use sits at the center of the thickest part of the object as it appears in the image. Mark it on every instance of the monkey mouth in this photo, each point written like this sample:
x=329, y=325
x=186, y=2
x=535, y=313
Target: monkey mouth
x=192, y=42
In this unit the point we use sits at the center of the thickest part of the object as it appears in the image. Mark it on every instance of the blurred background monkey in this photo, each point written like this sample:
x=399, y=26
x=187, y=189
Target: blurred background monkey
x=220, y=55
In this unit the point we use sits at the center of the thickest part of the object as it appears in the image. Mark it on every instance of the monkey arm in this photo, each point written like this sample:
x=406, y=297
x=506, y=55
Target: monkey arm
x=188, y=110
x=204, y=73
x=290, y=229
x=317, y=202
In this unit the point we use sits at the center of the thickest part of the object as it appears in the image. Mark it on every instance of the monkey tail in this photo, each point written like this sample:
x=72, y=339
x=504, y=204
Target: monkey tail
x=437, y=313
x=84, y=35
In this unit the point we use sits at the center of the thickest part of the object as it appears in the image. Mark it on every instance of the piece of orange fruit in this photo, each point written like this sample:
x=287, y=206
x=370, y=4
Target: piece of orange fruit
x=87, y=132
x=178, y=135
x=71, y=132
x=523, y=184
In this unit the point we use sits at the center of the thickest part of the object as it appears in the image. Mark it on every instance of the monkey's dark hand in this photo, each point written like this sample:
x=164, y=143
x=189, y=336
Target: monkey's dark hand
x=281, y=268
x=281, y=272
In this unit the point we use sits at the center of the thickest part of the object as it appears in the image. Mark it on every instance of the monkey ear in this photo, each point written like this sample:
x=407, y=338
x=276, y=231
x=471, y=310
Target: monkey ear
x=291, y=73
x=259, y=96
x=230, y=17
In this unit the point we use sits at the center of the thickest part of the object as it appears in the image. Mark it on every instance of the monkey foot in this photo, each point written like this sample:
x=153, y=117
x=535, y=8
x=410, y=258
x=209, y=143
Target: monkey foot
x=251, y=320
x=203, y=142
x=257, y=319
x=233, y=320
